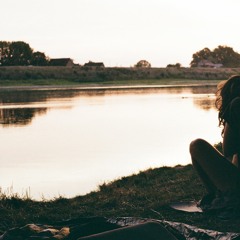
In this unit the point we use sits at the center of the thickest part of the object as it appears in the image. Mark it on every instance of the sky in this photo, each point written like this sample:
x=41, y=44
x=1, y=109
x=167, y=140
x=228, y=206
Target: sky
x=120, y=33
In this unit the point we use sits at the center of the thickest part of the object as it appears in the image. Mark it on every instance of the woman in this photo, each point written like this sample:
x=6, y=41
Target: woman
x=220, y=172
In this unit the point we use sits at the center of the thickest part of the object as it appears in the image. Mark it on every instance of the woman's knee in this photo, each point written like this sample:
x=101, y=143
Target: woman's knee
x=197, y=146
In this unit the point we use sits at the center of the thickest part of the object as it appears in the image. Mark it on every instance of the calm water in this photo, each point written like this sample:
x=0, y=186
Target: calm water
x=67, y=142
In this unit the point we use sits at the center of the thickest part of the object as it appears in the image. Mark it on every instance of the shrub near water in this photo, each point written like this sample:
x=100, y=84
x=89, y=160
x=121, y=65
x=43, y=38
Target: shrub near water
x=77, y=75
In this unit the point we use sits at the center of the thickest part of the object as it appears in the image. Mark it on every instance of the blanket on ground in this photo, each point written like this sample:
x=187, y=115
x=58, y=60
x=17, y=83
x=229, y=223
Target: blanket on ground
x=76, y=228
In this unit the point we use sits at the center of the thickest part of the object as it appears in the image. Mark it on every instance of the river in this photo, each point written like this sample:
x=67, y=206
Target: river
x=66, y=142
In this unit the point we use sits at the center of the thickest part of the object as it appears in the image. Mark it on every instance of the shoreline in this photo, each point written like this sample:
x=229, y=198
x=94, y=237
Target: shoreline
x=103, y=87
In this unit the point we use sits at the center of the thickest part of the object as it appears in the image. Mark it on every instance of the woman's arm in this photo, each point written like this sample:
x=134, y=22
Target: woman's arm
x=231, y=136
x=229, y=142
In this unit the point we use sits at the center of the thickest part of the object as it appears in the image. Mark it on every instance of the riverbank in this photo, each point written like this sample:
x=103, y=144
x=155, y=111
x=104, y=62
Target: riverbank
x=41, y=76
x=145, y=195
x=138, y=85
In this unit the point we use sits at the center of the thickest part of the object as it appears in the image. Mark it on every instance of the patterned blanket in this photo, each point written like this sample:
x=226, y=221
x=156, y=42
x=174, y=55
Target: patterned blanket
x=74, y=229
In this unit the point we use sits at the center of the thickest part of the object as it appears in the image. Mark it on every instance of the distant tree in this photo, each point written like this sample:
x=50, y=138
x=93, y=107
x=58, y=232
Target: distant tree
x=227, y=56
x=4, y=52
x=204, y=54
x=20, y=54
x=143, y=64
x=221, y=55
x=177, y=65
x=39, y=59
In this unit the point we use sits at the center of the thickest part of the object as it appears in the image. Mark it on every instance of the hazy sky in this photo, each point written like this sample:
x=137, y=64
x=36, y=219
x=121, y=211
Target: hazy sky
x=120, y=33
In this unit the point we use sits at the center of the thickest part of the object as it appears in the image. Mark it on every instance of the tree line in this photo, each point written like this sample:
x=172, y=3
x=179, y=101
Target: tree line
x=20, y=54
x=222, y=56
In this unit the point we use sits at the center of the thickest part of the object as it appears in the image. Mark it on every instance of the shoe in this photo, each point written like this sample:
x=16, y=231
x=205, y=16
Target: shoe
x=206, y=201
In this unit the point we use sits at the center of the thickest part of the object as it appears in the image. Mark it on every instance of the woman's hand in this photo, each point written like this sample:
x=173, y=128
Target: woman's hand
x=235, y=160
x=231, y=135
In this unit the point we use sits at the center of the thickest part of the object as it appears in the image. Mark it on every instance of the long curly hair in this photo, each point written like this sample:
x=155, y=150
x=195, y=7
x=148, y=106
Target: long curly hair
x=226, y=92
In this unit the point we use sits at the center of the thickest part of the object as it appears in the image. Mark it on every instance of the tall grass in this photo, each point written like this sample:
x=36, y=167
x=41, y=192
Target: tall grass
x=80, y=75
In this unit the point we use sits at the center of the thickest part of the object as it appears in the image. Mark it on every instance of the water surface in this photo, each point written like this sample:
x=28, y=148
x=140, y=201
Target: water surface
x=67, y=142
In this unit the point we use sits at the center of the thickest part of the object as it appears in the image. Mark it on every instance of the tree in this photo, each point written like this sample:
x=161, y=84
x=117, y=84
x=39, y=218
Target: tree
x=204, y=54
x=143, y=64
x=4, y=52
x=227, y=56
x=177, y=65
x=39, y=59
x=221, y=55
x=20, y=54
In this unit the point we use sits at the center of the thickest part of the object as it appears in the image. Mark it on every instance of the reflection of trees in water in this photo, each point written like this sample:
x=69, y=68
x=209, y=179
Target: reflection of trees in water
x=205, y=104
x=19, y=116
x=22, y=116
x=204, y=89
x=33, y=96
x=160, y=90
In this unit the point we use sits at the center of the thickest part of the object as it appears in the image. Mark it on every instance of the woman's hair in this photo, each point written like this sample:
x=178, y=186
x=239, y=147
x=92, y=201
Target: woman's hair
x=225, y=94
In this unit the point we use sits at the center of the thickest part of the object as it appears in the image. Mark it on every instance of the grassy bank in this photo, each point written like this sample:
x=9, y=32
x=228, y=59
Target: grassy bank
x=11, y=76
x=146, y=194
x=56, y=83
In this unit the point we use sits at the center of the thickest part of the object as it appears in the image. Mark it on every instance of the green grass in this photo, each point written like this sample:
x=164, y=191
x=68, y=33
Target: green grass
x=146, y=194
x=24, y=75
x=36, y=82
x=71, y=83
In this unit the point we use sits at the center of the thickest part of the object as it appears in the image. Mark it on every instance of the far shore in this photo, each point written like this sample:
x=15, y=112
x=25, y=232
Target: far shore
x=25, y=77
x=170, y=84
x=60, y=78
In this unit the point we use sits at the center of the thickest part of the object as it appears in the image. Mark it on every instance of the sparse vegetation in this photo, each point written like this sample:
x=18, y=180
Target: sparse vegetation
x=23, y=75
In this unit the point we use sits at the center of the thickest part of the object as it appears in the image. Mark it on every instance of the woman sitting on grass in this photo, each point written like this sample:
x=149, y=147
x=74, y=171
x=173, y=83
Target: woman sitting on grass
x=220, y=173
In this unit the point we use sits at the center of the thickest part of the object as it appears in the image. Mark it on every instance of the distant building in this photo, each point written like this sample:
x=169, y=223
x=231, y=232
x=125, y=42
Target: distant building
x=94, y=65
x=66, y=62
x=209, y=64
